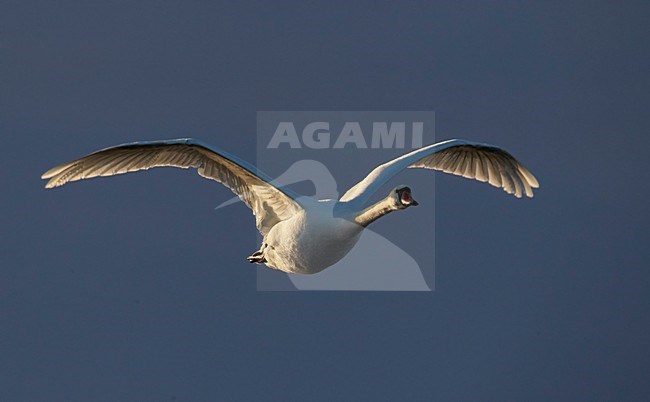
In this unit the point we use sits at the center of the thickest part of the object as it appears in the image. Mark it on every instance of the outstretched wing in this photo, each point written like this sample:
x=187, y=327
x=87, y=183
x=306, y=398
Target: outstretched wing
x=481, y=162
x=269, y=203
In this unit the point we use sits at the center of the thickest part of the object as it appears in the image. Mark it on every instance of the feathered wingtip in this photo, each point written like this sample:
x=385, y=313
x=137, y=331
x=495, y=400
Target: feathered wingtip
x=51, y=175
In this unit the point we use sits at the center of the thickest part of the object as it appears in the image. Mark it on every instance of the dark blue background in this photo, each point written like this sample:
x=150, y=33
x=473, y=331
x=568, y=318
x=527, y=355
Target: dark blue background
x=134, y=289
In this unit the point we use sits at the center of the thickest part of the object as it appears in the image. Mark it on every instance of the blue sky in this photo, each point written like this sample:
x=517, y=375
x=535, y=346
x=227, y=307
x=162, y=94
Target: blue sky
x=134, y=288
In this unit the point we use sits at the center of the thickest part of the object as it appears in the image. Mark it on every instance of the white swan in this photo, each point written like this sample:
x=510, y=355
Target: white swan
x=302, y=235
x=374, y=263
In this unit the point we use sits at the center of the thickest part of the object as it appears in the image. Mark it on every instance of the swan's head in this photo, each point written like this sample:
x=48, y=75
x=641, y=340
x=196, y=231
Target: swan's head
x=403, y=197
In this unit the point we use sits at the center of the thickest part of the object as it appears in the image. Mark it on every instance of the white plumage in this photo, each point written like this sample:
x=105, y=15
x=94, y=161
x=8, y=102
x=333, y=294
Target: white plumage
x=300, y=234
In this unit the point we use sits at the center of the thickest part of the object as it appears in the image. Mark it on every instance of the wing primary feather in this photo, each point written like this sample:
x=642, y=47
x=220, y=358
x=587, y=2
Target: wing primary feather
x=96, y=164
x=452, y=163
x=445, y=160
x=480, y=174
x=532, y=180
x=110, y=163
x=459, y=168
x=494, y=177
x=528, y=190
x=470, y=166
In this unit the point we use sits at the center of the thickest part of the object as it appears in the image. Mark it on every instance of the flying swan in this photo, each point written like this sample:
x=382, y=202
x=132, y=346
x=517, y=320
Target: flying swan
x=302, y=235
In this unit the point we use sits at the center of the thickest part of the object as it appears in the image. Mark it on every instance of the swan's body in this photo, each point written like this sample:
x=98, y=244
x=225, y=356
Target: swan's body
x=310, y=241
x=302, y=235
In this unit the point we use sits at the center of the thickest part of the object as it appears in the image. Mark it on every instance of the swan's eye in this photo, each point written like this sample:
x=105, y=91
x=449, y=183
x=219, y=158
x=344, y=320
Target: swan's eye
x=405, y=197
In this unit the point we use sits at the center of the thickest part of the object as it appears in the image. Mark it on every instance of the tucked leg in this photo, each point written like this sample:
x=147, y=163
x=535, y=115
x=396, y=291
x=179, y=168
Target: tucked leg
x=258, y=256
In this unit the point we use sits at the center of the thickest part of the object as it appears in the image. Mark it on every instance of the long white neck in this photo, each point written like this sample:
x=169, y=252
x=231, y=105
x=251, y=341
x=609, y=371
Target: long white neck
x=376, y=211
